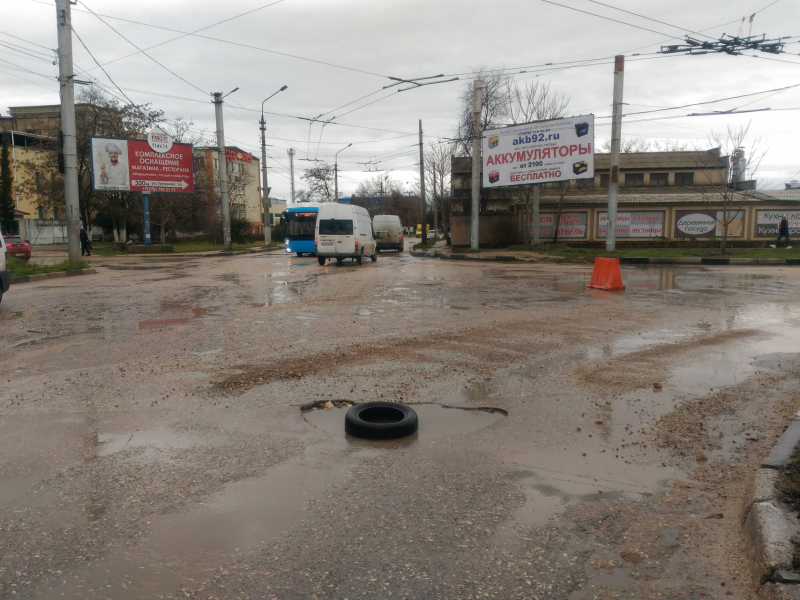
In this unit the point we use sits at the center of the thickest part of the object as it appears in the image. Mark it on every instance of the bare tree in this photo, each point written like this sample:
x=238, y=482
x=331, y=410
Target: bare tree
x=320, y=183
x=725, y=183
x=438, y=156
x=494, y=108
x=533, y=102
x=669, y=145
x=628, y=145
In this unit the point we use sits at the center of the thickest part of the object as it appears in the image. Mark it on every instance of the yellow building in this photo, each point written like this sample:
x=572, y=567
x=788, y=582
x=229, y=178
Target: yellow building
x=38, y=188
x=244, y=181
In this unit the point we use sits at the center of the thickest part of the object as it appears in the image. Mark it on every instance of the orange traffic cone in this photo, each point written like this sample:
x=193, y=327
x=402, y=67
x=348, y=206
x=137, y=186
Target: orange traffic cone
x=606, y=274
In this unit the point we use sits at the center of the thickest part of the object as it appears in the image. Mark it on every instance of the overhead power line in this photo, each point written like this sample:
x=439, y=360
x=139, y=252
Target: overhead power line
x=195, y=31
x=648, y=18
x=142, y=51
x=239, y=44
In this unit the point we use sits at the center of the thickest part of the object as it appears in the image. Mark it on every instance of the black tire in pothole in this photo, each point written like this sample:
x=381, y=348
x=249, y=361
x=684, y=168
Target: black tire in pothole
x=380, y=421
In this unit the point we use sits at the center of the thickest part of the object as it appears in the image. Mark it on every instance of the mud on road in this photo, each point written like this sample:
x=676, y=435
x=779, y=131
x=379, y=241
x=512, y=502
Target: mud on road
x=156, y=438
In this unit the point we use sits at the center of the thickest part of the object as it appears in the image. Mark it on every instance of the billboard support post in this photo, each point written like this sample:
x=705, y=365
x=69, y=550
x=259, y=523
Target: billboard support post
x=535, y=219
x=616, y=136
x=66, y=83
x=148, y=241
x=477, y=105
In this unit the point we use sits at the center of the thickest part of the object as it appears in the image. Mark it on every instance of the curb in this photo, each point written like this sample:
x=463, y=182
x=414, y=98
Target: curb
x=698, y=260
x=627, y=260
x=56, y=275
x=465, y=257
x=769, y=524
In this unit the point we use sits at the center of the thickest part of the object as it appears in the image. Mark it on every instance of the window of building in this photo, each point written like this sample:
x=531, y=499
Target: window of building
x=634, y=179
x=604, y=180
x=237, y=168
x=583, y=183
x=216, y=165
x=55, y=214
x=238, y=189
x=238, y=209
x=684, y=178
x=659, y=178
x=41, y=213
x=38, y=180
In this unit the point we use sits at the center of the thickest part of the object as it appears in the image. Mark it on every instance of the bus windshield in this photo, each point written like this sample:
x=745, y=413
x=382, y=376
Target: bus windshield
x=300, y=225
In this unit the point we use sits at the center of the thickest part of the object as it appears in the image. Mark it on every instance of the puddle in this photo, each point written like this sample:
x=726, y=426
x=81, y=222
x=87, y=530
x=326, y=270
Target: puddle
x=184, y=548
x=649, y=279
x=111, y=443
x=435, y=421
x=187, y=314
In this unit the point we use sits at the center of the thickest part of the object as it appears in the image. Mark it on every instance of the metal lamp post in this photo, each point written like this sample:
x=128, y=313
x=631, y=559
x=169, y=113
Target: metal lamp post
x=264, y=188
x=336, y=173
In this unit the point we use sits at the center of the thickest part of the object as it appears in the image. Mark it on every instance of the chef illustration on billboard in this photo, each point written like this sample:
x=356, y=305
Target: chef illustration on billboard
x=113, y=162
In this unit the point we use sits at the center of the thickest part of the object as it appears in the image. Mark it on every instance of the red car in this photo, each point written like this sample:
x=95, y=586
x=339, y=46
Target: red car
x=16, y=246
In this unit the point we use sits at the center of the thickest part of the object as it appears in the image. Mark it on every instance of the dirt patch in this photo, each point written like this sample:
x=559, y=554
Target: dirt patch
x=636, y=370
x=456, y=350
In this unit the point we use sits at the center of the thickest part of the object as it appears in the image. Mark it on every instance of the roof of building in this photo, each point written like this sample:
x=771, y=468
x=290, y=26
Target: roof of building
x=703, y=159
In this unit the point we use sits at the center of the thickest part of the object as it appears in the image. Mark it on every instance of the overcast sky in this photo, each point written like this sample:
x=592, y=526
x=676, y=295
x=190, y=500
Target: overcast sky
x=375, y=39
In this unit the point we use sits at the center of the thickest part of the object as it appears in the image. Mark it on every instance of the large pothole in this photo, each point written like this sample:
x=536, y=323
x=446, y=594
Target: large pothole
x=435, y=420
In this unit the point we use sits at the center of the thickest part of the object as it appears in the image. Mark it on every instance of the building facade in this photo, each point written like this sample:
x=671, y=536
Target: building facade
x=682, y=195
x=244, y=182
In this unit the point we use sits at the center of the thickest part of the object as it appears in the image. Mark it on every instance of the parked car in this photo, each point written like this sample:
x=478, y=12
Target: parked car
x=344, y=231
x=16, y=246
x=5, y=274
x=388, y=232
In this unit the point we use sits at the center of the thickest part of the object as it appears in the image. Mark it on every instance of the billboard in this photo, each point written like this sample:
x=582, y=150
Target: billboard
x=707, y=223
x=570, y=225
x=539, y=152
x=767, y=222
x=152, y=165
x=640, y=224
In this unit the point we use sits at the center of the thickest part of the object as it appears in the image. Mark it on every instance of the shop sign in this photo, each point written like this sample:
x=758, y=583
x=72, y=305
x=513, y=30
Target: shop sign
x=231, y=154
x=570, y=225
x=644, y=224
x=767, y=222
x=708, y=223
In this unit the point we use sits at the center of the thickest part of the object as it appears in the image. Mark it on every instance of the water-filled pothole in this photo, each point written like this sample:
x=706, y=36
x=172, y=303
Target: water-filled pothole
x=435, y=420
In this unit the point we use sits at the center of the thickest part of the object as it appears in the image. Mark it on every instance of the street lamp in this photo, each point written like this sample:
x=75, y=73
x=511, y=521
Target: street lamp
x=264, y=188
x=336, y=173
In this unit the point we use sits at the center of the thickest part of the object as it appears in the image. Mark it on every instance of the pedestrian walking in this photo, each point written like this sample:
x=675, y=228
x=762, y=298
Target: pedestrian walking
x=783, y=232
x=85, y=244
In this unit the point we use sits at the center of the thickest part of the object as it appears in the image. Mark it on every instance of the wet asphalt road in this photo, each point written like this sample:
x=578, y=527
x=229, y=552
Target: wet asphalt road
x=153, y=443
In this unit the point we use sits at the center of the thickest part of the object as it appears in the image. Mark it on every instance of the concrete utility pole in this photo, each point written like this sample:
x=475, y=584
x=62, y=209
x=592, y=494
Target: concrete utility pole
x=422, y=188
x=69, y=143
x=336, y=173
x=222, y=162
x=264, y=187
x=616, y=136
x=291, y=170
x=477, y=163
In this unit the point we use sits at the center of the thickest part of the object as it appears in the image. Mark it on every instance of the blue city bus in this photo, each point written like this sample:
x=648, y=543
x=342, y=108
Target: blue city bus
x=299, y=222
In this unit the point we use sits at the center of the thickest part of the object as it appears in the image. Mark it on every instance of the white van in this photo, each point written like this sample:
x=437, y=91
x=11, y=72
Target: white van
x=388, y=232
x=344, y=231
x=5, y=274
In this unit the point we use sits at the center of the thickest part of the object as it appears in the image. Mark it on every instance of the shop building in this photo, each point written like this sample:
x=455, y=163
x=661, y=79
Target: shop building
x=663, y=196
